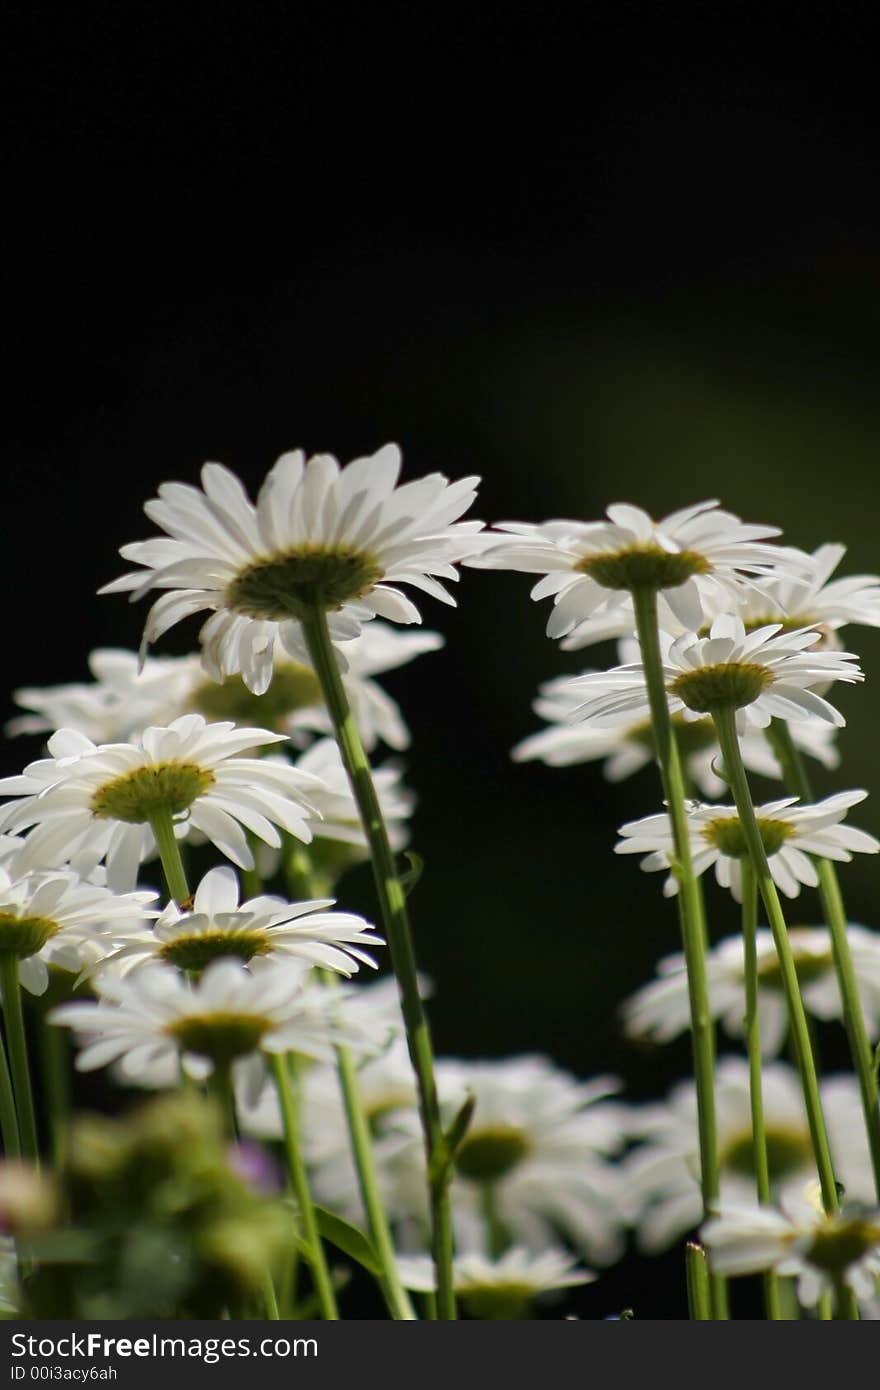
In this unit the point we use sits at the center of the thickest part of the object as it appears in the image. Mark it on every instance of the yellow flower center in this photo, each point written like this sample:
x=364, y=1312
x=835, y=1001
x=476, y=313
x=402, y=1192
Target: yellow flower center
x=196, y=950
x=137, y=796
x=221, y=1035
x=726, y=834
x=25, y=936
x=491, y=1153
x=643, y=567
x=727, y=685
x=788, y=1152
x=293, y=687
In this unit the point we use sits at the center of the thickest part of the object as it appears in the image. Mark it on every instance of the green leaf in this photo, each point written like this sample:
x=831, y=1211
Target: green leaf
x=416, y=868
x=349, y=1239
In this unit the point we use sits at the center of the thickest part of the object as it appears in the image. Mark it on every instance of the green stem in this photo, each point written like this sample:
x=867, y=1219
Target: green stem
x=269, y=1299
x=8, y=1116
x=396, y=1297
x=162, y=826
x=399, y=936
x=55, y=1071
x=690, y=908
x=753, y=1046
x=798, y=783
x=697, y=1271
x=300, y=1183
x=725, y=725
x=18, y=1058
x=220, y=1086
x=496, y=1235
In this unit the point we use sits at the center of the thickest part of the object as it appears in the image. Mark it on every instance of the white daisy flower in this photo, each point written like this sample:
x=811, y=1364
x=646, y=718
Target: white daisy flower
x=502, y=1287
x=691, y=558
x=813, y=598
x=44, y=913
x=335, y=815
x=660, y=1011
x=89, y=802
x=820, y=1251
x=120, y=702
x=790, y=833
x=660, y=1177
x=626, y=748
x=542, y=1140
x=156, y=1019
x=263, y=927
x=766, y=674
x=128, y=695
x=341, y=537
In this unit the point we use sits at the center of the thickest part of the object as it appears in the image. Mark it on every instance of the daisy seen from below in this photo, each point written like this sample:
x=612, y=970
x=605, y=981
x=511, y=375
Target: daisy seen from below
x=320, y=537
x=502, y=1288
x=43, y=912
x=659, y=1012
x=264, y=927
x=690, y=558
x=155, y=1018
x=789, y=831
x=114, y=801
x=826, y=1254
x=627, y=748
x=536, y=1158
x=660, y=1176
x=812, y=598
x=765, y=674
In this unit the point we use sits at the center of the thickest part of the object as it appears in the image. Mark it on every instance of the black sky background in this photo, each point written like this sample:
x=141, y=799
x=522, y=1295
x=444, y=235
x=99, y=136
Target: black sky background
x=231, y=230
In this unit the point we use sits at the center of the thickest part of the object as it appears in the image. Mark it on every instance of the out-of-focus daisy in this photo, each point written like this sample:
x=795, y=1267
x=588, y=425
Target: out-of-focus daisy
x=128, y=695
x=262, y=928
x=341, y=538
x=335, y=815
x=660, y=1178
x=766, y=674
x=813, y=598
x=96, y=802
x=822, y=1252
x=156, y=1018
x=40, y=912
x=541, y=1141
x=503, y=1288
x=626, y=748
x=790, y=834
x=660, y=1011
x=691, y=558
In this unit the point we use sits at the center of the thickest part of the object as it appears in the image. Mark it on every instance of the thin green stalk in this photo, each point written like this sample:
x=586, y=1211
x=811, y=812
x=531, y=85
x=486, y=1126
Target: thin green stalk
x=725, y=725
x=221, y=1087
x=162, y=826
x=697, y=1271
x=269, y=1299
x=398, y=933
x=798, y=783
x=690, y=908
x=8, y=1116
x=55, y=1073
x=300, y=1183
x=396, y=1297
x=18, y=1058
x=753, y=1046
x=496, y=1235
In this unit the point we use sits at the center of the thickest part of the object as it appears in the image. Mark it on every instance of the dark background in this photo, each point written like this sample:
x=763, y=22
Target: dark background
x=592, y=259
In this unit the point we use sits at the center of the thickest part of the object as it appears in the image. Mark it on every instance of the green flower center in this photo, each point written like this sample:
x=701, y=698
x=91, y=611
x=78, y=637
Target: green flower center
x=290, y=585
x=841, y=1241
x=25, y=936
x=727, y=685
x=491, y=1153
x=222, y=1036
x=643, y=567
x=810, y=964
x=692, y=736
x=137, y=796
x=498, y=1302
x=726, y=834
x=788, y=1152
x=196, y=951
x=293, y=687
